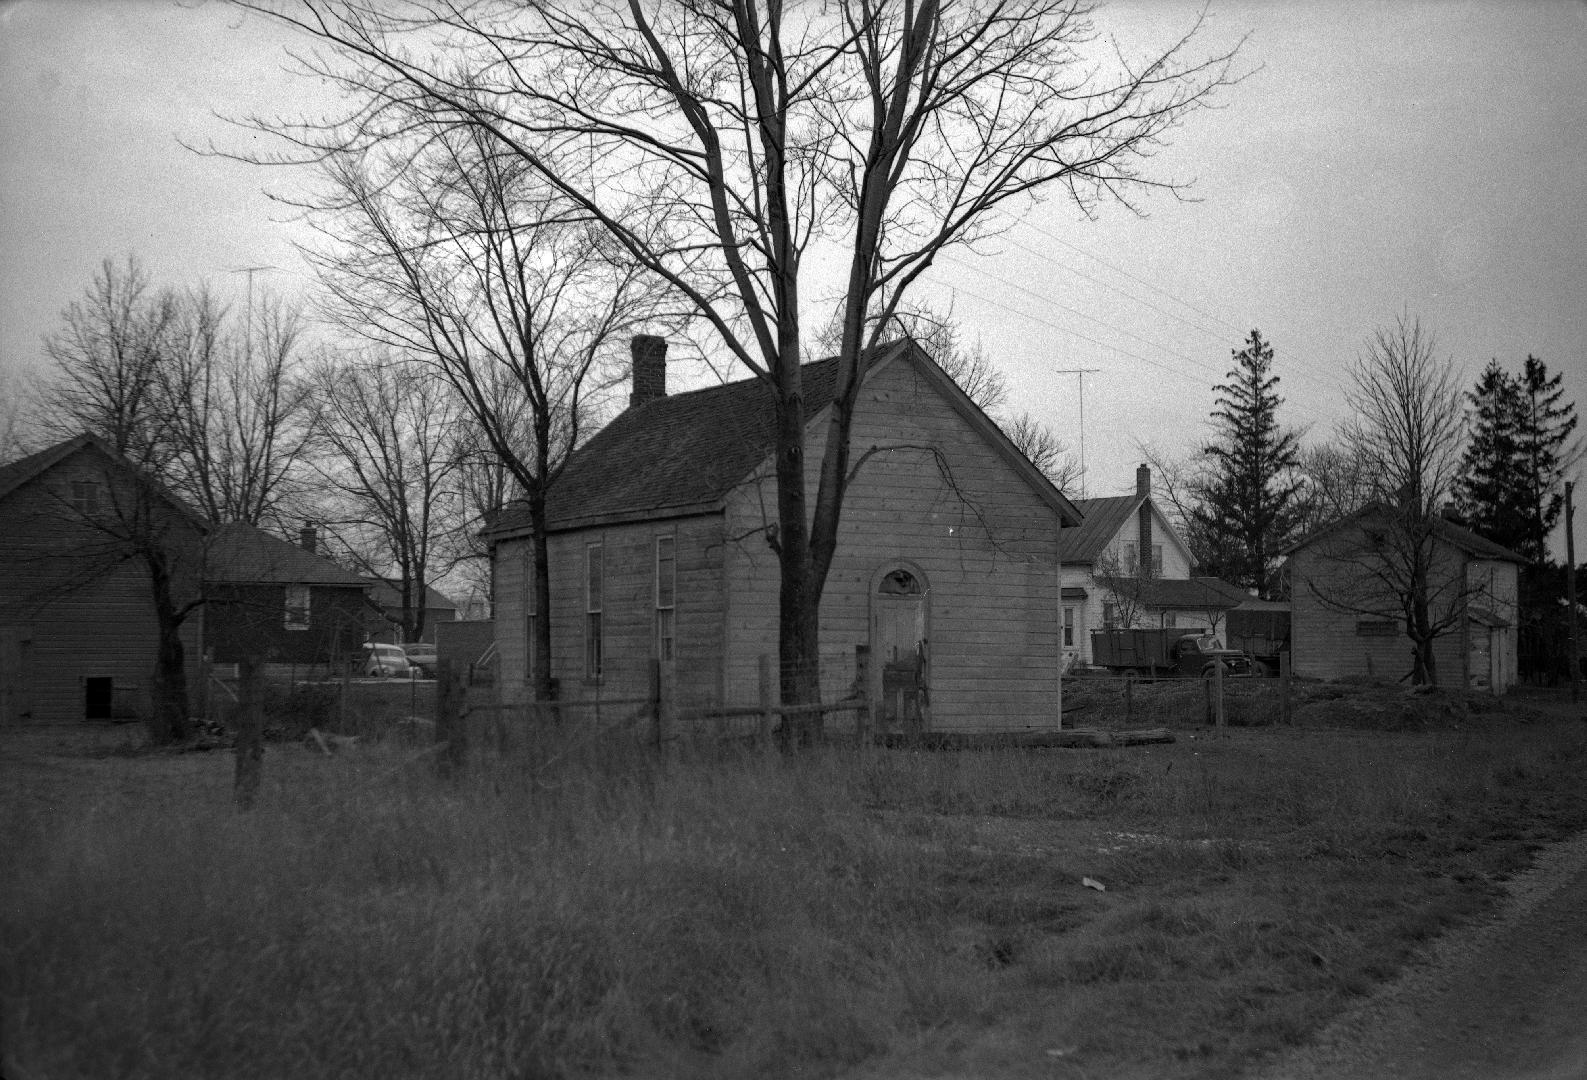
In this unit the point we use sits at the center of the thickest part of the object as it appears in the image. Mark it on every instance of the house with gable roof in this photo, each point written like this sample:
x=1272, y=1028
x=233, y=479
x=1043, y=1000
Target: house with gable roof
x=1346, y=621
x=285, y=603
x=1127, y=566
x=943, y=594
x=79, y=634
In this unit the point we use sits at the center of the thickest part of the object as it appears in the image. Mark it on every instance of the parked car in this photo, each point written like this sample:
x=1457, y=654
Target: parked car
x=422, y=656
x=385, y=661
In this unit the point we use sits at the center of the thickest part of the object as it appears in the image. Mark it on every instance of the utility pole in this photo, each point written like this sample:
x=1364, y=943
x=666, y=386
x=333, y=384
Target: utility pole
x=1082, y=373
x=1570, y=591
x=247, y=343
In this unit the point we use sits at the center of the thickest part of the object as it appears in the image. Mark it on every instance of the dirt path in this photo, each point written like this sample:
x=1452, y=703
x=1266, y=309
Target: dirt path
x=1505, y=1001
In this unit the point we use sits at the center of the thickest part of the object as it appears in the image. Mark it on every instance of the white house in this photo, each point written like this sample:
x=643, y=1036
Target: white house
x=1108, y=583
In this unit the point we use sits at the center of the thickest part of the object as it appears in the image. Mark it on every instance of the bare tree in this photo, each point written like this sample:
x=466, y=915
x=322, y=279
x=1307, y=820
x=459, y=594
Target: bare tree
x=110, y=357
x=386, y=428
x=459, y=257
x=239, y=410
x=719, y=143
x=1042, y=446
x=1406, y=431
x=1337, y=483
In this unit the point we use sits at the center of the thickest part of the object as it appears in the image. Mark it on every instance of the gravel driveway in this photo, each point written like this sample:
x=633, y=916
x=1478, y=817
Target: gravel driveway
x=1503, y=1001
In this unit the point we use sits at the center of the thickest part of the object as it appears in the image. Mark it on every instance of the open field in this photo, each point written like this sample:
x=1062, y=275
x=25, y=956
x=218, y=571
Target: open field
x=593, y=909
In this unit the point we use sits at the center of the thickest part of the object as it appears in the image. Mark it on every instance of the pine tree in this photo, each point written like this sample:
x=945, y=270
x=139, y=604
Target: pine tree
x=1510, y=488
x=1546, y=453
x=1247, y=507
x=1489, y=494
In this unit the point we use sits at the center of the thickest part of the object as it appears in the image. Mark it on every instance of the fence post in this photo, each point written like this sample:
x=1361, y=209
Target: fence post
x=765, y=695
x=1217, y=690
x=862, y=688
x=1129, y=699
x=1207, y=713
x=250, y=735
x=1284, y=687
x=655, y=701
x=449, y=729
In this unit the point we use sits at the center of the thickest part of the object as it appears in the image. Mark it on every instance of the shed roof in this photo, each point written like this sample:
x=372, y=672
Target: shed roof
x=1197, y=593
x=387, y=592
x=241, y=553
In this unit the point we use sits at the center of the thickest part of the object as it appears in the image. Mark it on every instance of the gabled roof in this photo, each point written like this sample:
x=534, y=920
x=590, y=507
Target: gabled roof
x=1456, y=535
x=682, y=454
x=1103, y=519
x=17, y=473
x=243, y=554
x=387, y=593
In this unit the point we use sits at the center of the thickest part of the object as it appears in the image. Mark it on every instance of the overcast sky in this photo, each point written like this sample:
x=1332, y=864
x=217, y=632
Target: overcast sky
x=1428, y=158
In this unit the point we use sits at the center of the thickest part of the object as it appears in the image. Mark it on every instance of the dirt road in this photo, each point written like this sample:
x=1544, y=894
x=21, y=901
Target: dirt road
x=1505, y=1001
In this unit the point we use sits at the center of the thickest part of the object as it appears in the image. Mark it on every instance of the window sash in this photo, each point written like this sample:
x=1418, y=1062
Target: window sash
x=594, y=581
x=666, y=597
x=296, y=616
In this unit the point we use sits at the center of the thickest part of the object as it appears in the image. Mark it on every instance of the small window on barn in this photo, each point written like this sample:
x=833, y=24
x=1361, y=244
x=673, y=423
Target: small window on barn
x=84, y=496
x=1376, y=628
x=594, y=654
x=666, y=596
x=297, y=613
x=900, y=583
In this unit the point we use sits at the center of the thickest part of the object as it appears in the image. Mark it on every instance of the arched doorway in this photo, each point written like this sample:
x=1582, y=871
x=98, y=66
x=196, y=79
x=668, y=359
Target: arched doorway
x=900, y=645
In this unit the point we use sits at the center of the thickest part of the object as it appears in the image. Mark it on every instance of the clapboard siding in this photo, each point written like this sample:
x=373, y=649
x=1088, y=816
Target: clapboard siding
x=70, y=614
x=1325, y=641
x=628, y=610
x=943, y=501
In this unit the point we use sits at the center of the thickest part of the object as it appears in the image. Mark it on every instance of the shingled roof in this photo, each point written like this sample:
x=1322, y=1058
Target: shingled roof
x=242, y=553
x=1447, y=531
x=675, y=455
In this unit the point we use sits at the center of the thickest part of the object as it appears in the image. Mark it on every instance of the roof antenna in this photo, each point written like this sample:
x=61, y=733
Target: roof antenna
x=1082, y=372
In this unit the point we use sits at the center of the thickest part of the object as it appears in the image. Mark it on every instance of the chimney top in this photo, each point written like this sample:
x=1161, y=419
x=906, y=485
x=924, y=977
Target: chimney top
x=1143, y=481
x=649, y=354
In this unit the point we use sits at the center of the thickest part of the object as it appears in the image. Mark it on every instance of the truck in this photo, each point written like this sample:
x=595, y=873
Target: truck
x=1261, y=632
x=1173, y=651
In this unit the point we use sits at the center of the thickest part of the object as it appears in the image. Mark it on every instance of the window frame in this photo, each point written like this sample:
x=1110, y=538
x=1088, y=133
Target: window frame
x=1068, y=637
x=665, y=641
x=83, y=496
x=297, y=589
x=594, y=603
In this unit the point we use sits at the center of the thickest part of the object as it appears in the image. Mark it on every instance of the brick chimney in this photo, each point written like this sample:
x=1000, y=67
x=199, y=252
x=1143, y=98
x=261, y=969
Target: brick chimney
x=308, y=539
x=1143, y=491
x=650, y=368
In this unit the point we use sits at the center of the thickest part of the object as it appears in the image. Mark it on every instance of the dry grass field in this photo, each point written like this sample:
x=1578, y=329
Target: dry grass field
x=586, y=907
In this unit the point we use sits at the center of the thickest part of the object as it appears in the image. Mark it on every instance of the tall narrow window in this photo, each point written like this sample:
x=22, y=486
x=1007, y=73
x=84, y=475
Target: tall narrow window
x=666, y=596
x=530, y=614
x=1069, y=627
x=1127, y=559
x=297, y=613
x=593, y=651
x=1110, y=616
x=1157, y=560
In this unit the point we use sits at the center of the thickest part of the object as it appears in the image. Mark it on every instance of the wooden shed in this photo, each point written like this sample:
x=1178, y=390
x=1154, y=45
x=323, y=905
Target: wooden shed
x=946, y=572
x=1345, y=623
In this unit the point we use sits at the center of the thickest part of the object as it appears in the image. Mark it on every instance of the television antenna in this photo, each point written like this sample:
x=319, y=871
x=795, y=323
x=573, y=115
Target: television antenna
x=1082, y=373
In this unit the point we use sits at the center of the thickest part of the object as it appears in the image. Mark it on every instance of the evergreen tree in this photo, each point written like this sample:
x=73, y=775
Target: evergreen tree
x=1546, y=453
x=1511, y=482
x=1247, y=508
x=1489, y=495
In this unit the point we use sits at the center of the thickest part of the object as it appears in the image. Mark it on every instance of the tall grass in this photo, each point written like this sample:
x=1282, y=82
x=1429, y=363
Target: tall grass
x=607, y=911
